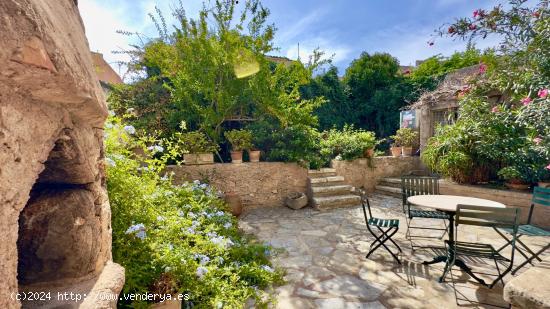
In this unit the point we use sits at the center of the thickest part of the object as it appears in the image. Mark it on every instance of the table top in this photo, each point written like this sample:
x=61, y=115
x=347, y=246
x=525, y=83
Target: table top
x=449, y=202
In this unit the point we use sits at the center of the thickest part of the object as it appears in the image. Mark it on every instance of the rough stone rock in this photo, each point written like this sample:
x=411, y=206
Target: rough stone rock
x=50, y=99
x=59, y=236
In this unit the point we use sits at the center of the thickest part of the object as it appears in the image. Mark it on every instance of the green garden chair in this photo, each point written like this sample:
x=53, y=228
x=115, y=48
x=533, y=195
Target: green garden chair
x=386, y=229
x=541, y=198
x=471, y=215
x=421, y=185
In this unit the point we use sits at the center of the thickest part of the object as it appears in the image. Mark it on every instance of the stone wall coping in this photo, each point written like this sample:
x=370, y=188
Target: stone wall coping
x=530, y=289
x=474, y=188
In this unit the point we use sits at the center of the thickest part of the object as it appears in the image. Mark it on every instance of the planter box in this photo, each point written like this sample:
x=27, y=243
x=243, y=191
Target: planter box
x=198, y=158
x=296, y=201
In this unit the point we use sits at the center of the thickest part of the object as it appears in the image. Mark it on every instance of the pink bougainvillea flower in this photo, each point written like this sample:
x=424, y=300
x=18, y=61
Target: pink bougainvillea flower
x=451, y=30
x=526, y=101
x=543, y=93
x=482, y=68
x=548, y=167
x=537, y=140
x=494, y=109
x=477, y=13
x=472, y=27
x=536, y=14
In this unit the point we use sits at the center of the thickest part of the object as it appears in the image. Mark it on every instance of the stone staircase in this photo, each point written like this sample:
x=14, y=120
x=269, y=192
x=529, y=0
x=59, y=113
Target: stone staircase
x=389, y=186
x=326, y=190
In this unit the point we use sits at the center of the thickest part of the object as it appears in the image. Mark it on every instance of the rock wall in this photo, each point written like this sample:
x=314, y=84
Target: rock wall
x=358, y=173
x=262, y=184
x=520, y=199
x=52, y=112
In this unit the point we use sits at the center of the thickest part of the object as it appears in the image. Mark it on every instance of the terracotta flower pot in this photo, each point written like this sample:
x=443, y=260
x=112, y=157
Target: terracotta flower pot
x=206, y=158
x=396, y=151
x=407, y=151
x=237, y=156
x=254, y=155
x=369, y=153
x=234, y=202
x=191, y=158
x=516, y=184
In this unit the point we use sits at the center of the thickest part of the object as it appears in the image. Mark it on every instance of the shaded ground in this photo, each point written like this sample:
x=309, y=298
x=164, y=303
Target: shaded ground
x=326, y=265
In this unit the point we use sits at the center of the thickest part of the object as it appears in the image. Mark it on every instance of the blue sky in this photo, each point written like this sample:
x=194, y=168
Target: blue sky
x=344, y=28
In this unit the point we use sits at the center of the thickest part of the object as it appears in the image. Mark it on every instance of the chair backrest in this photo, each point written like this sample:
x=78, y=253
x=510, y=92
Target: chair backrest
x=418, y=185
x=366, y=206
x=487, y=216
x=541, y=197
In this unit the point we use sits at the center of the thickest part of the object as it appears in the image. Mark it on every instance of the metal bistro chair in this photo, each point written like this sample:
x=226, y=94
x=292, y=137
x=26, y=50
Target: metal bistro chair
x=471, y=215
x=541, y=197
x=386, y=227
x=421, y=185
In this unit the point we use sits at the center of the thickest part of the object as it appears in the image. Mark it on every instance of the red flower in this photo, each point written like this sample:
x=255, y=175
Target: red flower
x=451, y=30
x=495, y=109
x=472, y=27
x=536, y=14
x=482, y=68
x=476, y=13
x=407, y=72
x=543, y=93
x=526, y=101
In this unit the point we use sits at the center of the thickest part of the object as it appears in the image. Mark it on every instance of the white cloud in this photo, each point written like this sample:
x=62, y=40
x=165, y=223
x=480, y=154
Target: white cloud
x=332, y=50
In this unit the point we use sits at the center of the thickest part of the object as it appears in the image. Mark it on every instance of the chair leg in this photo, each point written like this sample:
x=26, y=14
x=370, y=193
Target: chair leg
x=393, y=242
x=380, y=241
x=530, y=259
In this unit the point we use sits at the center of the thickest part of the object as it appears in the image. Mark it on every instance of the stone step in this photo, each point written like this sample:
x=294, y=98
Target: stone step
x=326, y=181
x=388, y=190
x=329, y=202
x=331, y=190
x=323, y=172
x=390, y=182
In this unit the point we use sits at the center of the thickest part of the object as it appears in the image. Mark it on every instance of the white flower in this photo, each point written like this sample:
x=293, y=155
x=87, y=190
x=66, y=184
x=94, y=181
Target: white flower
x=181, y=213
x=111, y=113
x=267, y=268
x=155, y=148
x=191, y=215
x=220, y=260
x=135, y=228
x=167, y=269
x=108, y=125
x=110, y=162
x=160, y=218
x=197, y=182
x=338, y=158
x=130, y=130
x=228, y=225
x=130, y=110
x=170, y=247
x=201, y=271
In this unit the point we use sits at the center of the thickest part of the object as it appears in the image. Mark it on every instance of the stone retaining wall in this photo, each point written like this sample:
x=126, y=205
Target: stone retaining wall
x=358, y=173
x=541, y=215
x=258, y=184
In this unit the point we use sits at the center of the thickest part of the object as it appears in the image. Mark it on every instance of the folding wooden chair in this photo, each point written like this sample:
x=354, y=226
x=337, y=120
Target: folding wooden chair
x=541, y=198
x=486, y=217
x=421, y=185
x=386, y=228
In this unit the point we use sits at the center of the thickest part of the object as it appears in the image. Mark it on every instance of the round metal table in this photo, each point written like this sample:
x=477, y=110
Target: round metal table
x=448, y=204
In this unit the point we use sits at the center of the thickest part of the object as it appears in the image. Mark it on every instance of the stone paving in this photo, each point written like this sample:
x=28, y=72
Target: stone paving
x=324, y=258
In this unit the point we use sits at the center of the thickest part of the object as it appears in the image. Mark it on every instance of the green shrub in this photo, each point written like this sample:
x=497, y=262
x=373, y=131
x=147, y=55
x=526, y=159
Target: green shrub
x=239, y=139
x=178, y=238
x=194, y=142
x=406, y=137
x=347, y=144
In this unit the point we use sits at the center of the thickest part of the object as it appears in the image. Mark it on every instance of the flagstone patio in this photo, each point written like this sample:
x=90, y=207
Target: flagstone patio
x=324, y=256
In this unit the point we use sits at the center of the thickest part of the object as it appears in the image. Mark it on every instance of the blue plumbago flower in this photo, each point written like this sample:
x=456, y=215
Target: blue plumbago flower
x=181, y=213
x=111, y=113
x=189, y=230
x=141, y=235
x=108, y=125
x=170, y=247
x=220, y=260
x=267, y=252
x=130, y=129
x=196, y=182
x=191, y=215
x=134, y=228
x=164, y=177
x=220, y=213
x=228, y=225
x=155, y=148
x=110, y=162
x=203, y=259
x=201, y=271
x=212, y=234
x=267, y=268
x=160, y=218
x=194, y=224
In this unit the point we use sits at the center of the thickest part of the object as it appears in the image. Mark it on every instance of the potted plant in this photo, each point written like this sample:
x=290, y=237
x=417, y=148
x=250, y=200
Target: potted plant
x=514, y=178
x=367, y=141
x=543, y=176
x=239, y=140
x=254, y=155
x=395, y=147
x=407, y=138
x=197, y=149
